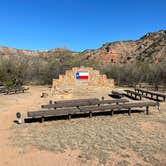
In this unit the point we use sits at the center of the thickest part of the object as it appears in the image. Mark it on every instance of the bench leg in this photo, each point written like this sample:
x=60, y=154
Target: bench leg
x=157, y=98
x=69, y=116
x=147, y=110
x=129, y=111
x=158, y=106
x=42, y=119
x=112, y=112
x=90, y=114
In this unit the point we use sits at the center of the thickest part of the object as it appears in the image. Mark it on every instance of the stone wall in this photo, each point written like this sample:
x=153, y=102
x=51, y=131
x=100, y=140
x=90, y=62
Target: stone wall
x=95, y=79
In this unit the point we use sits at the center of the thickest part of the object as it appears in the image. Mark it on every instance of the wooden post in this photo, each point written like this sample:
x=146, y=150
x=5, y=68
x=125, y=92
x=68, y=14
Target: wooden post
x=158, y=105
x=50, y=102
x=129, y=111
x=147, y=110
x=54, y=103
x=69, y=116
x=90, y=114
x=42, y=119
x=157, y=97
x=112, y=112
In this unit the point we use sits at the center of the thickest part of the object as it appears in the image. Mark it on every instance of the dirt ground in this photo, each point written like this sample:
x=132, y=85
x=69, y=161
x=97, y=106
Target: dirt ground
x=102, y=140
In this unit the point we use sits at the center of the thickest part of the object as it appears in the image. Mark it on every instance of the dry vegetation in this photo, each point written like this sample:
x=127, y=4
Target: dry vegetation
x=118, y=140
x=40, y=70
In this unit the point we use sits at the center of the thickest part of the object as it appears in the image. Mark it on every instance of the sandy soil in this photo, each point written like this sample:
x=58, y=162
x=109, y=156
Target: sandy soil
x=11, y=155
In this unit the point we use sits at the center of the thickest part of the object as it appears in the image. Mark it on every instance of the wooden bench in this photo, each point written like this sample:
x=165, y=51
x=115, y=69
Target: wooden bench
x=150, y=94
x=83, y=107
x=2, y=89
x=133, y=94
x=119, y=107
x=15, y=90
x=150, y=86
x=116, y=94
x=82, y=102
x=73, y=101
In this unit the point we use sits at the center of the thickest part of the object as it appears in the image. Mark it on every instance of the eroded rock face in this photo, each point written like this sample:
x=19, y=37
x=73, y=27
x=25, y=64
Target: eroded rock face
x=149, y=48
x=69, y=80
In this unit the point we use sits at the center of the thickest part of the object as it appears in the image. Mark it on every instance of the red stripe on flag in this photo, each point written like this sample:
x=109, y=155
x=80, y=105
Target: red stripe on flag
x=83, y=77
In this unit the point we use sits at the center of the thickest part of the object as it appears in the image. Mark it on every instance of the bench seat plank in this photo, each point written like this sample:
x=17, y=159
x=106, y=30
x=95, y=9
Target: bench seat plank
x=43, y=113
x=76, y=100
x=83, y=103
x=151, y=92
x=118, y=107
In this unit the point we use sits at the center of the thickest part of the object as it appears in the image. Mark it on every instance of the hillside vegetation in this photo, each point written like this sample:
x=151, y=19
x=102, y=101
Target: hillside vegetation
x=128, y=62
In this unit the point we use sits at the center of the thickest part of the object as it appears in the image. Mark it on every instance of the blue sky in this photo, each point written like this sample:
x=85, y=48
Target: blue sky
x=77, y=24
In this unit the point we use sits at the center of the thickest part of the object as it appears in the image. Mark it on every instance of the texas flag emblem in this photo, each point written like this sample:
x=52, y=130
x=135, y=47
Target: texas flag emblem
x=82, y=75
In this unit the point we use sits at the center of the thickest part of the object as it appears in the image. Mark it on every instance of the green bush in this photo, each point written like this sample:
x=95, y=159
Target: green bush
x=9, y=83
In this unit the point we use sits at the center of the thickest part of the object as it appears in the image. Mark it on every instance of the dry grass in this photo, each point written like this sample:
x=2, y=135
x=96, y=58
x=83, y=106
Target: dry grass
x=124, y=140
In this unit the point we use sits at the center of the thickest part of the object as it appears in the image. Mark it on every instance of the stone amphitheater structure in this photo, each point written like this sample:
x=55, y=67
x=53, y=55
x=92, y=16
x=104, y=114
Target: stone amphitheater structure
x=69, y=84
x=95, y=79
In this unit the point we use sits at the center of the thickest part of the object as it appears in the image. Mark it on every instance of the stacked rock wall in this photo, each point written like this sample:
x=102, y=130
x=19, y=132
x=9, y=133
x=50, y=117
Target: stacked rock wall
x=95, y=79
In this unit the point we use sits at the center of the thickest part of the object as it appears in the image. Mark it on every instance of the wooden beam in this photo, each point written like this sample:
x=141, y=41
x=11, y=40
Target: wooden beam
x=83, y=103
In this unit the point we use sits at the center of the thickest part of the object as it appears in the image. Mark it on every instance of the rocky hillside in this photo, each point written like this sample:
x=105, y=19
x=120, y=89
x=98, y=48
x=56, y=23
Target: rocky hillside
x=149, y=48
